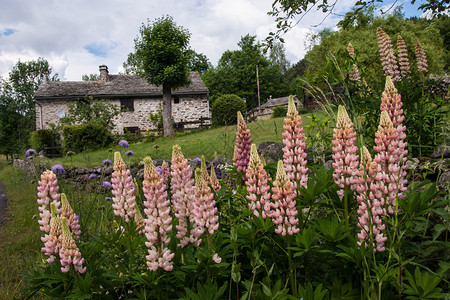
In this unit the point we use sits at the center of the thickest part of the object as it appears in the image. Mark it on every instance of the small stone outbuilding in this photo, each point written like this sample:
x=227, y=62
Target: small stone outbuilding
x=137, y=98
x=267, y=108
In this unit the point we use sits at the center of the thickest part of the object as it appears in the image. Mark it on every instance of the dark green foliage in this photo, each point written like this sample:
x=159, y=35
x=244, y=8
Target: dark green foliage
x=43, y=138
x=78, y=138
x=224, y=109
x=279, y=111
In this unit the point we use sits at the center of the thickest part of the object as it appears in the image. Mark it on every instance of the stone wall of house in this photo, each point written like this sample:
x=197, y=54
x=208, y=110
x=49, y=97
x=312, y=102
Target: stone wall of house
x=49, y=110
x=189, y=108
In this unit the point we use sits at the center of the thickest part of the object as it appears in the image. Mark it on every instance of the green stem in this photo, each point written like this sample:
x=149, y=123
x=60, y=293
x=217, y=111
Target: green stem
x=291, y=269
x=346, y=205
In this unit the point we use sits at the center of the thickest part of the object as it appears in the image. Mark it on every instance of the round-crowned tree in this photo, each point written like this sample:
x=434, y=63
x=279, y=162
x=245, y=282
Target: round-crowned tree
x=224, y=109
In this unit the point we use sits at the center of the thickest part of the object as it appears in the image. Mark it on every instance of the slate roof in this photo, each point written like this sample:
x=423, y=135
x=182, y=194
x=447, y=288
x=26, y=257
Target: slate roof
x=117, y=86
x=279, y=101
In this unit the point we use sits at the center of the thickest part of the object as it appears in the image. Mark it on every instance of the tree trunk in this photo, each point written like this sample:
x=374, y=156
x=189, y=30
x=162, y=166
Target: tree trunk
x=167, y=110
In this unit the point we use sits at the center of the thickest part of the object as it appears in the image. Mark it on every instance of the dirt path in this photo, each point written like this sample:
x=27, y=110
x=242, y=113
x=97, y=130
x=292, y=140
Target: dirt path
x=3, y=201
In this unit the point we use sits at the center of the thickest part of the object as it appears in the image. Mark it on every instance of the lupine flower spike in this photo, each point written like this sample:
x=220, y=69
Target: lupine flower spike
x=69, y=253
x=158, y=220
x=294, y=157
x=403, y=57
x=205, y=211
x=283, y=212
x=165, y=172
x=422, y=64
x=140, y=224
x=243, y=144
x=345, y=158
x=370, y=208
x=183, y=195
x=354, y=74
x=387, y=55
x=48, y=193
x=123, y=193
x=257, y=187
x=390, y=175
x=204, y=170
x=71, y=217
x=215, y=184
x=54, y=240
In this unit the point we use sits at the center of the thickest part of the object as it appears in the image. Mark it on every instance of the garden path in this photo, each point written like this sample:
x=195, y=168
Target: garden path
x=3, y=201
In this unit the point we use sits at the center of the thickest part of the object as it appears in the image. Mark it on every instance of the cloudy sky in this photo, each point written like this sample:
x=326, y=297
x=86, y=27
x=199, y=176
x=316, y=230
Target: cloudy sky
x=77, y=36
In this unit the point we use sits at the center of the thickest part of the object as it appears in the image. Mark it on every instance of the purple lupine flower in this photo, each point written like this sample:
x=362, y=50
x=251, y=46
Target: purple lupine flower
x=107, y=162
x=123, y=143
x=197, y=160
x=30, y=153
x=218, y=172
x=129, y=153
x=107, y=185
x=92, y=176
x=57, y=169
x=160, y=170
x=108, y=198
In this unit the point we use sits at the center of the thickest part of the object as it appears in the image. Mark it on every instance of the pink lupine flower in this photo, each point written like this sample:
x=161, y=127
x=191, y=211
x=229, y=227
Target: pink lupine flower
x=71, y=217
x=205, y=211
x=204, y=170
x=354, y=73
x=158, y=220
x=204, y=205
x=257, y=186
x=370, y=208
x=47, y=192
x=69, y=253
x=165, y=172
x=403, y=57
x=390, y=175
x=124, y=203
x=294, y=157
x=183, y=195
x=139, y=220
x=422, y=64
x=345, y=160
x=283, y=211
x=243, y=144
x=387, y=55
x=53, y=242
x=215, y=184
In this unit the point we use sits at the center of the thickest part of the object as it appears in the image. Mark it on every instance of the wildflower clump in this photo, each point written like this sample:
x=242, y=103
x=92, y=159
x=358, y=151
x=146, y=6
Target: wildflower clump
x=122, y=183
x=158, y=220
x=243, y=144
x=183, y=195
x=69, y=253
x=370, y=208
x=345, y=158
x=257, y=185
x=294, y=157
x=283, y=211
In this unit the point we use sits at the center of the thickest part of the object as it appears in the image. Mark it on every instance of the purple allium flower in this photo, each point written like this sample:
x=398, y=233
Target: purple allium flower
x=129, y=153
x=107, y=185
x=197, y=160
x=30, y=153
x=57, y=169
x=123, y=143
x=107, y=162
x=92, y=176
x=108, y=198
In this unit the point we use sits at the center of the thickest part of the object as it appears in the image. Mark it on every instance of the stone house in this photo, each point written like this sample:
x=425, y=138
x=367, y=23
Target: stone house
x=137, y=98
x=267, y=108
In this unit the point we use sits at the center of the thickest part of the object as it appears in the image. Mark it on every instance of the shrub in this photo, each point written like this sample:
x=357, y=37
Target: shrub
x=43, y=138
x=90, y=136
x=225, y=108
x=279, y=111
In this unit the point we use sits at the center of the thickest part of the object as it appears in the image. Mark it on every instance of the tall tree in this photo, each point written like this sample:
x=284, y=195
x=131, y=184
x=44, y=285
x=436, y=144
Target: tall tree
x=17, y=102
x=236, y=74
x=161, y=57
x=198, y=62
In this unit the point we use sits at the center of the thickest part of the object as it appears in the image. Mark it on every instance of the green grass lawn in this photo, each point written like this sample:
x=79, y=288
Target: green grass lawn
x=218, y=141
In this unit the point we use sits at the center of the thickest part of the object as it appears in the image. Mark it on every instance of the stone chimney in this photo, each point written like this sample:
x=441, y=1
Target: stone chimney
x=103, y=73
